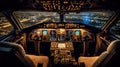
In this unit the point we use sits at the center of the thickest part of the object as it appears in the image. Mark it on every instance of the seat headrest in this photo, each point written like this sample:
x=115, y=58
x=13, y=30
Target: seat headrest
x=14, y=46
x=114, y=45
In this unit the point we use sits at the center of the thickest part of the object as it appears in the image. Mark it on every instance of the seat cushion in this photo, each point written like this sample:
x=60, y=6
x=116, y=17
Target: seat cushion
x=39, y=60
x=87, y=60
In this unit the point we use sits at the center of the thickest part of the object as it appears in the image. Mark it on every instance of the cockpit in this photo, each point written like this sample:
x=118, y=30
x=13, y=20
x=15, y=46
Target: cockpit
x=60, y=33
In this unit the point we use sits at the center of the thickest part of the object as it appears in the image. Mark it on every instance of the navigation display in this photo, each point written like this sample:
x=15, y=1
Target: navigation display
x=53, y=35
x=45, y=32
x=69, y=35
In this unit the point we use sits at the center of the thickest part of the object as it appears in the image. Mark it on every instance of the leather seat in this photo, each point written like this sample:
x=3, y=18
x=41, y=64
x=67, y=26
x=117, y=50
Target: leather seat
x=39, y=60
x=13, y=55
x=109, y=58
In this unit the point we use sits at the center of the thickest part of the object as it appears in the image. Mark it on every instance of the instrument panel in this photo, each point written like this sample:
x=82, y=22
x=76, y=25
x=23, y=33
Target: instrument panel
x=60, y=35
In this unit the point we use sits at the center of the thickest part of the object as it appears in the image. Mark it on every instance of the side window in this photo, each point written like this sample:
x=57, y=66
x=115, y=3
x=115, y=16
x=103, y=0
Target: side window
x=116, y=29
x=5, y=26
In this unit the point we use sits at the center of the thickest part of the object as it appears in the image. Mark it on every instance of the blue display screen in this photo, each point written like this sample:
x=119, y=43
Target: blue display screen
x=77, y=32
x=45, y=32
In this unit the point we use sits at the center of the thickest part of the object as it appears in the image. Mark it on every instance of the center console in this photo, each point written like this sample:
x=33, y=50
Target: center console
x=62, y=53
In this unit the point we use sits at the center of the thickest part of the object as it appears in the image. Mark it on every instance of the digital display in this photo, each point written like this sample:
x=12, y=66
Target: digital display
x=61, y=45
x=77, y=32
x=53, y=35
x=69, y=35
x=45, y=32
x=53, y=32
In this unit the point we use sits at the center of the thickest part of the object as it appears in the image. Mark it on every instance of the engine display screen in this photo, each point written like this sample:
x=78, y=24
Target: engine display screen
x=61, y=45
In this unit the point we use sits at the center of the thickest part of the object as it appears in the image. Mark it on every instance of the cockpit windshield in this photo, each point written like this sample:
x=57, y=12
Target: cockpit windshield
x=30, y=18
x=92, y=18
x=95, y=19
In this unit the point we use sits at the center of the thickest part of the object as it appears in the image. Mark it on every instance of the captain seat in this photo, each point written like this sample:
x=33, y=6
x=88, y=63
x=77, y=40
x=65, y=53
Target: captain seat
x=109, y=58
x=13, y=55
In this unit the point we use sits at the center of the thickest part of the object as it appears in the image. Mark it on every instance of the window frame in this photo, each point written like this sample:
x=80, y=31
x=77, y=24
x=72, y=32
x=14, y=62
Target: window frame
x=110, y=31
x=9, y=33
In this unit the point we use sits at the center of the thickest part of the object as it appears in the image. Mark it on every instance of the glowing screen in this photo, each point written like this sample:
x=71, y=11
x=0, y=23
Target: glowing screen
x=53, y=32
x=61, y=45
x=77, y=32
x=53, y=35
x=45, y=32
